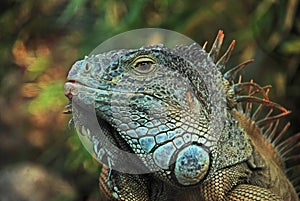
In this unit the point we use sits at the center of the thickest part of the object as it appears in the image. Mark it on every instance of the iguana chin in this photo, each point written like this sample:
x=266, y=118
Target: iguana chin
x=208, y=137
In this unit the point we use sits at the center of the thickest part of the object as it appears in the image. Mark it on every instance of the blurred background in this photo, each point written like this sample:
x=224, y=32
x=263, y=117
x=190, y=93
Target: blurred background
x=40, y=158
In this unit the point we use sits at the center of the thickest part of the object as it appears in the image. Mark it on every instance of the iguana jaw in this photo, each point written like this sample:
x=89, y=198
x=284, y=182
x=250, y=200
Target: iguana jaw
x=189, y=168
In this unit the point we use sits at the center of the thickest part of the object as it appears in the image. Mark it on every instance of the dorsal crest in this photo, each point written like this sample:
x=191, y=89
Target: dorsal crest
x=250, y=102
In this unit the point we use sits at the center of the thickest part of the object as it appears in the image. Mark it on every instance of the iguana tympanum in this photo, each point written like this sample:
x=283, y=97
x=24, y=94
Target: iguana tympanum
x=198, y=134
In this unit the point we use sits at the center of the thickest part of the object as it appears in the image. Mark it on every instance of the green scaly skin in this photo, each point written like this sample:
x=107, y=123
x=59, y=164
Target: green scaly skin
x=154, y=100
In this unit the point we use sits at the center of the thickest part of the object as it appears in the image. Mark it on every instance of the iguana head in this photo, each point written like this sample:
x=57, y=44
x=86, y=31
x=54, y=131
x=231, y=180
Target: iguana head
x=166, y=107
x=156, y=101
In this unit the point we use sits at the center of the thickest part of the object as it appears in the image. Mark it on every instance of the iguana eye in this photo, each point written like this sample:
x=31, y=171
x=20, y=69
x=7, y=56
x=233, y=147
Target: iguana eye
x=144, y=65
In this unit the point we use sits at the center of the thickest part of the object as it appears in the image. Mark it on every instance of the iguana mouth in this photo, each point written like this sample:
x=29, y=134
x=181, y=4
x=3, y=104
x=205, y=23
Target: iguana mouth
x=69, y=95
x=70, y=88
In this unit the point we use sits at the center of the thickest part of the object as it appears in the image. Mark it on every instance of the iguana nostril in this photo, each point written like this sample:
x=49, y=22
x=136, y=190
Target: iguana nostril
x=87, y=67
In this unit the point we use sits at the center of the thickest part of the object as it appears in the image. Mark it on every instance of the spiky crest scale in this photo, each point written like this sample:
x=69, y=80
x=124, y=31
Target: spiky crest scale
x=231, y=74
x=216, y=47
x=224, y=59
x=267, y=122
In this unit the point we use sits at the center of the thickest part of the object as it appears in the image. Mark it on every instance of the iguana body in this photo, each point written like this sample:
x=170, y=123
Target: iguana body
x=167, y=104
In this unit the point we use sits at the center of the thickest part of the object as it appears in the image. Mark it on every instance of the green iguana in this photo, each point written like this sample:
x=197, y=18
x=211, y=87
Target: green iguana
x=196, y=134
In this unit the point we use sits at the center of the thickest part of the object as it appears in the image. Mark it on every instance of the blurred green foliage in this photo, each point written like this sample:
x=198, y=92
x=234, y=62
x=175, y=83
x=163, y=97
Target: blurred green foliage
x=40, y=40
